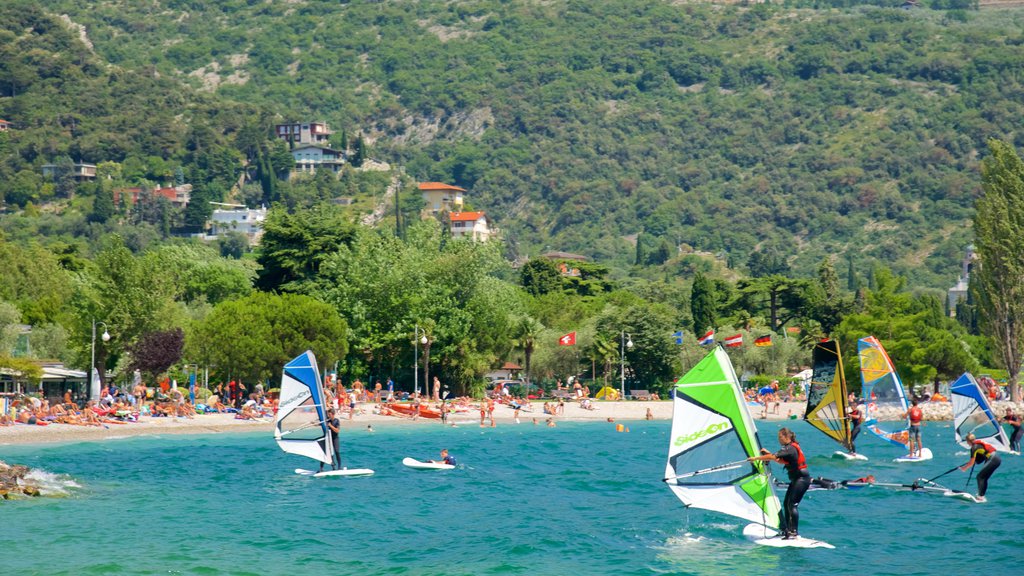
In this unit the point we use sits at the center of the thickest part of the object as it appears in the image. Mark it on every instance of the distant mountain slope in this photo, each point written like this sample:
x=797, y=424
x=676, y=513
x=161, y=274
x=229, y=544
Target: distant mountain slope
x=578, y=124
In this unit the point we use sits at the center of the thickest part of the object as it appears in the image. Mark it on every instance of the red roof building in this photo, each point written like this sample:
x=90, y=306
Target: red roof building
x=440, y=196
x=471, y=224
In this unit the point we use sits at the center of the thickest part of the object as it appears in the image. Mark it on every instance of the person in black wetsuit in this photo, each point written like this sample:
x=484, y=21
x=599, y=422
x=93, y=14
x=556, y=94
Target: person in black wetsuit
x=333, y=427
x=1014, y=421
x=792, y=457
x=982, y=453
x=855, y=419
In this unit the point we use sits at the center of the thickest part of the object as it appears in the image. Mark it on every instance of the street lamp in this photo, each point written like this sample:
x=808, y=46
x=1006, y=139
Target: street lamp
x=416, y=341
x=625, y=341
x=94, y=386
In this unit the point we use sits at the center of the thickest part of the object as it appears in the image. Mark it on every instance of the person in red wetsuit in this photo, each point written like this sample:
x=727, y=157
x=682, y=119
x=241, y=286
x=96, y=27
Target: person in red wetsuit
x=982, y=453
x=915, y=415
x=792, y=457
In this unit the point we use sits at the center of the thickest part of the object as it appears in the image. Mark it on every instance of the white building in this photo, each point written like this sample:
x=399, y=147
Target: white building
x=237, y=218
x=310, y=157
x=471, y=224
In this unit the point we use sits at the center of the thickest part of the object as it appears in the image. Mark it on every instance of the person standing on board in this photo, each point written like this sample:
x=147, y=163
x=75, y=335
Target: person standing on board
x=855, y=419
x=915, y=415
x=982, y=453
x=334, y=427
x=1014, y=421
x=792, y=457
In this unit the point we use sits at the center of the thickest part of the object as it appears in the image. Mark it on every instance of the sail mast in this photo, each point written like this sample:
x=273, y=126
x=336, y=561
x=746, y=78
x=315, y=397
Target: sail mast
x=827, y=401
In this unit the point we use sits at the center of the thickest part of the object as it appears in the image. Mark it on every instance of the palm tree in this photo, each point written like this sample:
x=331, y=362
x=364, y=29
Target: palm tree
x=527, y=330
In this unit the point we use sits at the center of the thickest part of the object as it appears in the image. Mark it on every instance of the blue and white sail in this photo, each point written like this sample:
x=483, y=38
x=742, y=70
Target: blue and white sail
x=973, y=415
x=301, y=423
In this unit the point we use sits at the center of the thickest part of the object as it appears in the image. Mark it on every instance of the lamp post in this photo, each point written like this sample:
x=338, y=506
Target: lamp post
x=625, y=341
x=94, y=389
x=416, y=341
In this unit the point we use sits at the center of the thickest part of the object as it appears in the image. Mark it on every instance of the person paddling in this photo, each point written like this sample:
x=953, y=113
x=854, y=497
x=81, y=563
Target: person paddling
x=445, y=458
x=982, y=453
x=792, y=457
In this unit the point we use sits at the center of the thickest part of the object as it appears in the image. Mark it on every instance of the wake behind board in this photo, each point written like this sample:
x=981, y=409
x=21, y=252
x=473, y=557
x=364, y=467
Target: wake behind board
x=763, y=536
x=848, y=456
x=343, y=472
x=417, y=465
x=926, y=454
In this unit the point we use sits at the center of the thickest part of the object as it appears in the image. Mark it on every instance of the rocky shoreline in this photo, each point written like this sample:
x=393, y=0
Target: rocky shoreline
x=13, y=483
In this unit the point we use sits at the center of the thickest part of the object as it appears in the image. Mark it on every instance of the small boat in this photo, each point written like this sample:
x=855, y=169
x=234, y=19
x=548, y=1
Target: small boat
x=409, y=410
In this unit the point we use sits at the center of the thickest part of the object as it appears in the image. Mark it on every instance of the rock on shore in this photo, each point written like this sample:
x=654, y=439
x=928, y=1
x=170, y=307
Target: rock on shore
x=12, y=481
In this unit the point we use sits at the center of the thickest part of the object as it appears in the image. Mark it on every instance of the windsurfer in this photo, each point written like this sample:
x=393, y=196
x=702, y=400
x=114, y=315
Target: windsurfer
x=855, y=420
x=985, y=453
x=1014, y=421
x=334, y=425
x=915, y=415
x=792, y=457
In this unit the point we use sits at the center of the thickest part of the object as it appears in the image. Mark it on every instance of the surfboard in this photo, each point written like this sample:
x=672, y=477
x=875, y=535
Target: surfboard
x=417, y=465
x=327, y=473
x=763, y=536
x=926, y=454
x=848, y=456
x=961, y=495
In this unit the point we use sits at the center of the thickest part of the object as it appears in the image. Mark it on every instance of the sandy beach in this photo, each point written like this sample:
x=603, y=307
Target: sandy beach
x=226, y=423
x=630, y=410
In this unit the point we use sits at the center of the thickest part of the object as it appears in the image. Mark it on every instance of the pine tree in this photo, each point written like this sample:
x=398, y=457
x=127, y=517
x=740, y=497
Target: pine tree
x=703, y=305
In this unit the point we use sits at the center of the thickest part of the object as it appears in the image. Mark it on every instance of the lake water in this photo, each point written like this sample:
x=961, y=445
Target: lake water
x=578, y=499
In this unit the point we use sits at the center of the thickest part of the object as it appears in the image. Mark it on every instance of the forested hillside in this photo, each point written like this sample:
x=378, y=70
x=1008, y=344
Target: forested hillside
x=579, y=124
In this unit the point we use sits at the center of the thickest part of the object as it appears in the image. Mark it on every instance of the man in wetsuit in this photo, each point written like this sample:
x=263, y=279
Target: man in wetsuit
x=982, y=453
x=333, y=428
x=792, y=457
x=915, y=415
x=855, y=419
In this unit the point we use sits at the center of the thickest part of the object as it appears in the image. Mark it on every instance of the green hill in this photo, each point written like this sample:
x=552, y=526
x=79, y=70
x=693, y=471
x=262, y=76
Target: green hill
x=575, y=124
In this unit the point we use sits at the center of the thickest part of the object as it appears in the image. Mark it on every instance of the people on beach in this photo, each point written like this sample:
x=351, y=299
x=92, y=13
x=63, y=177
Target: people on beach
x=792, y=458
x=649, y=415
x=982, y=453
x=915, y=415
x=1015, y=429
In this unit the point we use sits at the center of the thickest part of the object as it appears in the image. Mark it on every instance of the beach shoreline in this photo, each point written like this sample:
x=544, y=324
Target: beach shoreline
x=629, y=410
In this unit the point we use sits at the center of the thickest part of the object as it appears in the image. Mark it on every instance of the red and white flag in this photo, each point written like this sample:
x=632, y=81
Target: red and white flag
x=734, y=341
x=568, y=340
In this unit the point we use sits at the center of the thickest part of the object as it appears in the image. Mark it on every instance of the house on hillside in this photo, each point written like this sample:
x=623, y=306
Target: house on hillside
x=959, y=290
x=312, y=157
x=178, y=196
x=4, y=125
x=441, y=197
x=81, y=171
x=564, y=260
x=470, y=224
x=296, y=133
x=237, y=218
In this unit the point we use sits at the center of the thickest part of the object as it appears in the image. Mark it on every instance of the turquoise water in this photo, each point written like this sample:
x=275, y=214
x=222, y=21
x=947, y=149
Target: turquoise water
x=577, y=499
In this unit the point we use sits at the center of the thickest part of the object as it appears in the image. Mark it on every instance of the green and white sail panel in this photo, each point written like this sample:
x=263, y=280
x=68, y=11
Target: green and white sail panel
x=973, y=415
x=883, y=392
x=826, y=398
x=712, y=435
x=300, y=426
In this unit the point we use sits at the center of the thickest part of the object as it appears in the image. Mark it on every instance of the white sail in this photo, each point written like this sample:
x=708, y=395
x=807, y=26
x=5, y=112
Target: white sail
x=301, y=423
x=973, y=415
x=712, y=435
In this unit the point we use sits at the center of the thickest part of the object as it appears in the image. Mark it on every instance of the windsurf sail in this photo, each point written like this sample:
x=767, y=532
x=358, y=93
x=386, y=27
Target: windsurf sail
x=300, y=426
x=712, y=436
x=883, y=392
x=826, y=397
x=972, y=414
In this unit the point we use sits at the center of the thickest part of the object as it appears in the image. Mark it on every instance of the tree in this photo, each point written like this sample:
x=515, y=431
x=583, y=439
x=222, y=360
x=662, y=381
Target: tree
x=703, y=305
x=999, y=275
x=294, y=245
x=154, y=352
x=540, y=276
x=786, y=297
x=527, y=331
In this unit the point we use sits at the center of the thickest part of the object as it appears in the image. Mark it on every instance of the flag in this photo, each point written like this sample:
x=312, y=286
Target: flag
x=708, y=338
x=678, y=336
x=793, y=329
x=734, y=341
x=568, y=340
x=765, y=340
